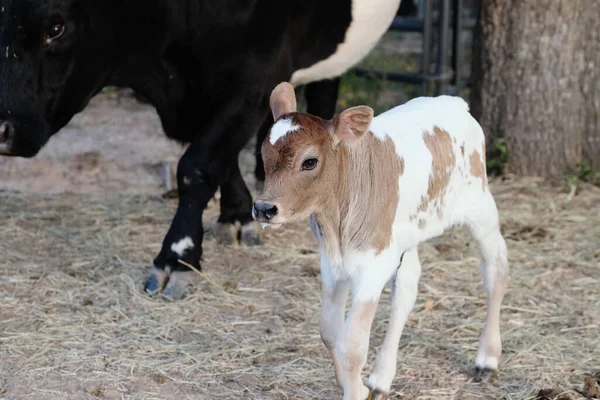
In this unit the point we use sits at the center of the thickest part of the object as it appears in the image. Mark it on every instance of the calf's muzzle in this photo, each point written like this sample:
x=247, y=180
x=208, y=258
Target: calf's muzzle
x=263, y=211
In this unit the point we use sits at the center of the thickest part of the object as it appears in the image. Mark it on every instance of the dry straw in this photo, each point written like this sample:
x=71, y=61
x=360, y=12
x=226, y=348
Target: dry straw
x=74, y=323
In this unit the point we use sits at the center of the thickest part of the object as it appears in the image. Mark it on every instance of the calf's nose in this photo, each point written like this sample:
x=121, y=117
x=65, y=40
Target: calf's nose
x=264, y=211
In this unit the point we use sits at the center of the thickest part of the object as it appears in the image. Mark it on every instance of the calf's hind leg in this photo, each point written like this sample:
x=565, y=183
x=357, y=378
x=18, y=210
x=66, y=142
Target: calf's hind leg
x=485, y=228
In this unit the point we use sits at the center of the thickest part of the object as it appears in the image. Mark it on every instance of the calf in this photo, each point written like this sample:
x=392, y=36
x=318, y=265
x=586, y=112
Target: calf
x=374, y=188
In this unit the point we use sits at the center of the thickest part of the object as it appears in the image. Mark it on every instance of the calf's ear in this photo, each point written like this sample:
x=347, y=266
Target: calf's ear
x=283, y=100
x=353, y=123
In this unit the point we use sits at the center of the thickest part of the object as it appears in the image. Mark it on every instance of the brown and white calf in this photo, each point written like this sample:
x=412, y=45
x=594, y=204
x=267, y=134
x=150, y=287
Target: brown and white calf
x=374, y=188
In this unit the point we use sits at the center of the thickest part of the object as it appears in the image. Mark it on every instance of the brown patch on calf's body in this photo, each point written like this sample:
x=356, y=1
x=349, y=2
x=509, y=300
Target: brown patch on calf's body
x=477, y=167
x=439, y=143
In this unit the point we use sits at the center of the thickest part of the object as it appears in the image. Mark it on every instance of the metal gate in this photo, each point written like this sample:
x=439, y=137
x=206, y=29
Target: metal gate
x=433, y=22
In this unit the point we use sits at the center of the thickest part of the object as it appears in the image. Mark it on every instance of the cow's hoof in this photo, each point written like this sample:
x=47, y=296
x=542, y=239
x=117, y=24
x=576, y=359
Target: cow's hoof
x=226, y=234
x=485, y=375
x=250, y=234
x=180, y=284
x=156, y=281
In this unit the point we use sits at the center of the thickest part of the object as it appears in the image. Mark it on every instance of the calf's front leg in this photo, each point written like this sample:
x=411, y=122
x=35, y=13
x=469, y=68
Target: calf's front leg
x=405, y=286
x=331, y=320
x=353, y=345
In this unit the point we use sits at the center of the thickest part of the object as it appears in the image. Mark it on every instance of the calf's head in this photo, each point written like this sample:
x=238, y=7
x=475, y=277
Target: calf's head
x=54, y=56
x=304, y=158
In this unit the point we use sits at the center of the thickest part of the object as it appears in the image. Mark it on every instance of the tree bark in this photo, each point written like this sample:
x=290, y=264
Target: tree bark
x=536, y=74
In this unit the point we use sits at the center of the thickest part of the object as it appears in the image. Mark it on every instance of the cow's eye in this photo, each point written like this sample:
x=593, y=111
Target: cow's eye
x=309, y=164
x=57, y=29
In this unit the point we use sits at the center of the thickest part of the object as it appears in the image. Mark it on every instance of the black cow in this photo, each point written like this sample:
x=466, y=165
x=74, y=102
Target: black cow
x=207, y=66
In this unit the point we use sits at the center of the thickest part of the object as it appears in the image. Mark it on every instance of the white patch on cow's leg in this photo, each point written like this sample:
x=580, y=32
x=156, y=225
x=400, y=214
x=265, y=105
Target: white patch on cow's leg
x=331, y=318
x=180, y=284
x=494, y=268
x=404, y=294
x=250, y=233
x=226, y=233
x=181, y=246
x=281, y=128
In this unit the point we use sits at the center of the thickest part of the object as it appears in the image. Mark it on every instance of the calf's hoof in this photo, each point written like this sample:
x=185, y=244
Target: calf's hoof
x=485, y=375
x=377, y=394
x=250, y=233
x=226, y=234
x=174, y=285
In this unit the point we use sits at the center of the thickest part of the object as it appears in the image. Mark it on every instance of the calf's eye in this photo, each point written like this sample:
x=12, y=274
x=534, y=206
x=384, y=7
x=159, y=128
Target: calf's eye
x=309, y=164
x=57, y=29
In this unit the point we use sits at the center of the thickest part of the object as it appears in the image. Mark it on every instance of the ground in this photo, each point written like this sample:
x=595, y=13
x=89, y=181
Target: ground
x=82, y=222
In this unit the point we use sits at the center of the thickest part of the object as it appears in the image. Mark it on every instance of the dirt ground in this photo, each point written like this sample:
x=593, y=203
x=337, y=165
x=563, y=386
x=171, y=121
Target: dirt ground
x=82, y=222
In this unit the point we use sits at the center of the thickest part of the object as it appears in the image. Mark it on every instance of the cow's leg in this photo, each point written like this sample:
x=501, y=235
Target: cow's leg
x=485, y=228
x=204, y=166
x=259, y=169
x=198, y=177
x=236, y=207
x=404, y=294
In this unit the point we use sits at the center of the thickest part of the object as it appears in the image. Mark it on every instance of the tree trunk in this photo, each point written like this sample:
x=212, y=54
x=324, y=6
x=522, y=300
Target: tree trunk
x=536, y=71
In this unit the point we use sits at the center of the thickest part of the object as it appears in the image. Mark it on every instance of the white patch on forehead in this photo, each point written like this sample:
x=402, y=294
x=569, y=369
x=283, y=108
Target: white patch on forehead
x=281, y=128
x=180, y=247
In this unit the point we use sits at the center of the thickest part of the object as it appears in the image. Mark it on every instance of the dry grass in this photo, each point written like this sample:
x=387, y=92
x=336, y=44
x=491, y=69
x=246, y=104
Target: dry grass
x=74, y=323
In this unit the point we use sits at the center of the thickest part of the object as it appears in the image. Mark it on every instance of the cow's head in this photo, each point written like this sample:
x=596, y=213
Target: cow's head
x=303, y=158
x=54, y=56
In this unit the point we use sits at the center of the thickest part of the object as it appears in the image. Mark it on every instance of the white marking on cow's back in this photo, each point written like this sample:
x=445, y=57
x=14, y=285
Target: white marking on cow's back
x=181, y=246
x=370, y=20
x=282, y=128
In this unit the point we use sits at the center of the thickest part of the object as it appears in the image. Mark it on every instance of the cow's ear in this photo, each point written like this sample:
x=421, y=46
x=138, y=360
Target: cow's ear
x=353, y=123
x=283, y=100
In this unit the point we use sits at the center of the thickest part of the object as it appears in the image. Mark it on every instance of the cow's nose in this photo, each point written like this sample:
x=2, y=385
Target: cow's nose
x=7, y=130
x=264, y=211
